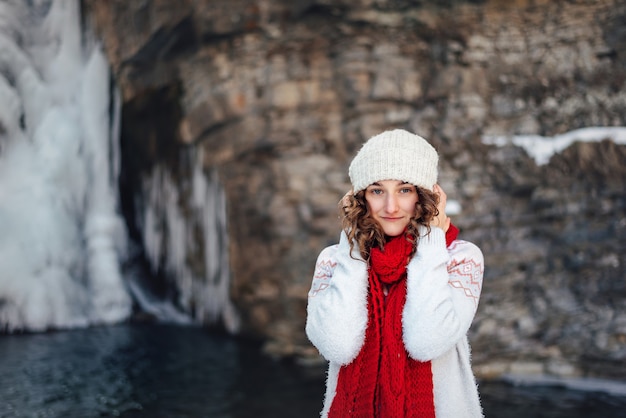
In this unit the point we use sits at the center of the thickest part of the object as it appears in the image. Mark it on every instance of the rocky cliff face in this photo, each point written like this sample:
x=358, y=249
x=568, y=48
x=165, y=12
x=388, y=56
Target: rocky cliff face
x=275, y=97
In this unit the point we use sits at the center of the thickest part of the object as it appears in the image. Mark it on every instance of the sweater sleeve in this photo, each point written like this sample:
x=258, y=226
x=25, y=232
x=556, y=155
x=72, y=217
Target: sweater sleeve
x=443, y=290
x=337, y=303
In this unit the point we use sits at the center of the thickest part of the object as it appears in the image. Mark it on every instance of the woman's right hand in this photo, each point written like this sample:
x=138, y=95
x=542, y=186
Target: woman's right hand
x=345, y=200
x=441, y=220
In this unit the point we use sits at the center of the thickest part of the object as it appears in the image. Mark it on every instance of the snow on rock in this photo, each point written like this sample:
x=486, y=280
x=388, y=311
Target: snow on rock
x=542, y=148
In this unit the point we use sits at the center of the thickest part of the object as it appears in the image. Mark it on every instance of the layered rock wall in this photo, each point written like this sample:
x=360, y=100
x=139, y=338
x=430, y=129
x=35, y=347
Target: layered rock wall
x=279, y=95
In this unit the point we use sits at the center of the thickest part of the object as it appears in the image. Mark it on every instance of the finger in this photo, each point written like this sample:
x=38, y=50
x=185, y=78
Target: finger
x=443, y=198
x=438, y=190
x=345, y=200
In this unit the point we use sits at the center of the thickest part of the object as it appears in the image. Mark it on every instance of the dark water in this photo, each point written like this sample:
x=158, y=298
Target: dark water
x=165, y=371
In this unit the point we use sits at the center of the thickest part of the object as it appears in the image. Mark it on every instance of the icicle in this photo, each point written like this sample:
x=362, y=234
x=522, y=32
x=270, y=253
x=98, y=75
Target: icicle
x=110, y=301
x=170, y=237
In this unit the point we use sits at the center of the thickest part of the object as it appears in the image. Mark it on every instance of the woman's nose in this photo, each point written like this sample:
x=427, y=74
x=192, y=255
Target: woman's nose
x=392, y=204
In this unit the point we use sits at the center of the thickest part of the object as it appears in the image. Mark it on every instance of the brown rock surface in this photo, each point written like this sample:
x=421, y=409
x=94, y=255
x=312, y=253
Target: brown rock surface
x=276, y=96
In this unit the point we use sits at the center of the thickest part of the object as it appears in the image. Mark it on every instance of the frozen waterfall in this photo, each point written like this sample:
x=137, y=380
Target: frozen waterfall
x=62, y=239
x=60, y=234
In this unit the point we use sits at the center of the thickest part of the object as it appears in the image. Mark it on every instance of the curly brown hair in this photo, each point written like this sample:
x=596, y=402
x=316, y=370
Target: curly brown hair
x=360, y=226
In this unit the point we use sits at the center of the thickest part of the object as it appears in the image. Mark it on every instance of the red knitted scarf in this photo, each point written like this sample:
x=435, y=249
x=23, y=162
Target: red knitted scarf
x=383, y=381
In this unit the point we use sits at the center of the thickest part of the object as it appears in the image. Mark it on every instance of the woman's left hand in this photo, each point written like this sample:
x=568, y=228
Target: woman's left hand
x=441, y=220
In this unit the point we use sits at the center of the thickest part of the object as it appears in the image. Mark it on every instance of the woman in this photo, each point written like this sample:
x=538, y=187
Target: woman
x=391, y=304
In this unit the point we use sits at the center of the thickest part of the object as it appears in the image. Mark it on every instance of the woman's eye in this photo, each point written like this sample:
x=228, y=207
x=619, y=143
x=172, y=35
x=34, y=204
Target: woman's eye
x=376, y=191
x=406, y=190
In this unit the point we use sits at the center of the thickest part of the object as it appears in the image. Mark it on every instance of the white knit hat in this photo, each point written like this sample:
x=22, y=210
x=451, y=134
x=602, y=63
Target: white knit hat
x=395, y=155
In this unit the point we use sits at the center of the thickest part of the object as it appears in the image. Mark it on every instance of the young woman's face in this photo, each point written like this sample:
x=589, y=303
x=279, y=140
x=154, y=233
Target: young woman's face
x=392, y=204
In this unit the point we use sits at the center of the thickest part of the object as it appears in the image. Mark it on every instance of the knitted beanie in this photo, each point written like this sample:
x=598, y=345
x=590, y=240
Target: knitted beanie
x=394, y=155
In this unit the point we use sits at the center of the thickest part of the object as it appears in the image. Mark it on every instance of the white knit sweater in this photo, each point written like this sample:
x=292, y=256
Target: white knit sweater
x=443, y=288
